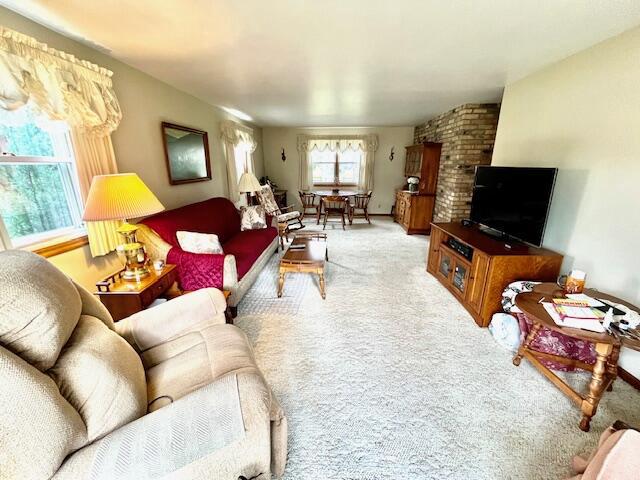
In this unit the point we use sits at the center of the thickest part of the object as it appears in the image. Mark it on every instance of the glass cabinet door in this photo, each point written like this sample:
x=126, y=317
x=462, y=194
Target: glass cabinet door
x=446, y=264
x=459, y=279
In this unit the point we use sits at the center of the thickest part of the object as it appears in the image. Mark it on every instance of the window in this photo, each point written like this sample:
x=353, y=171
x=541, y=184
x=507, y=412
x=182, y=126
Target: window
x=39, y=195
x=336, y=168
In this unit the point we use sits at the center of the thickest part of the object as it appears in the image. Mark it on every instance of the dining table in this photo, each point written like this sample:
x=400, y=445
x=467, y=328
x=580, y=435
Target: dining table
x=334, y=193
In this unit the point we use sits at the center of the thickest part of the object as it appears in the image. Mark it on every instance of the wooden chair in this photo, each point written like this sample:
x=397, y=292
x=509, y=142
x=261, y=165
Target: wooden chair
x=288, y=219
x=309, y=204
x=360, y=202
x=335, y=206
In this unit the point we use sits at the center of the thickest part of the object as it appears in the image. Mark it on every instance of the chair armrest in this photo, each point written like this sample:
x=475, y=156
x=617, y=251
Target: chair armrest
x=287, y=208
x=174, y=318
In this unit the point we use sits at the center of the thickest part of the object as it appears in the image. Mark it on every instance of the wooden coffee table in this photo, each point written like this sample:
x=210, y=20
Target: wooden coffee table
x=311, y=259
x=607, y=348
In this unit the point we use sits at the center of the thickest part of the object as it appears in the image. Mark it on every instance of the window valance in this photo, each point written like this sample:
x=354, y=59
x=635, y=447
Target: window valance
x=57, y=84
x=235, y=133
x=338, y=143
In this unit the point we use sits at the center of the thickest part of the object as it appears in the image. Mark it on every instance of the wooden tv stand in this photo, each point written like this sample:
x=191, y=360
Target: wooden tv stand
x=478, y=279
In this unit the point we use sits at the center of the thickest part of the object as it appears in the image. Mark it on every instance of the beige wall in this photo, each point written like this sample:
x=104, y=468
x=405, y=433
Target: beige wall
x=387, y=175
x=145, y=102
x=582, y=115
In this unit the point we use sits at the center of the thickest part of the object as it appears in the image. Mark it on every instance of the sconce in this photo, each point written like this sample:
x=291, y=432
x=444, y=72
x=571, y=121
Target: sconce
x=392, y=154
x=283, y=156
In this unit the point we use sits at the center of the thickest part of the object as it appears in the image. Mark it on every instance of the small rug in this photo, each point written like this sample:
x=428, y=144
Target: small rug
x=390, y=378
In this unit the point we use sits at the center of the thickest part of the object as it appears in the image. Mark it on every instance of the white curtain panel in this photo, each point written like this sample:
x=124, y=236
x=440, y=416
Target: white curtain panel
x=367, y=144
x=233, y=134
x=56, y=84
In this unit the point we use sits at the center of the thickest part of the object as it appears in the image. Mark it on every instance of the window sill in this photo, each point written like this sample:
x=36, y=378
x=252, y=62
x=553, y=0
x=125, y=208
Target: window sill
x=58, y=245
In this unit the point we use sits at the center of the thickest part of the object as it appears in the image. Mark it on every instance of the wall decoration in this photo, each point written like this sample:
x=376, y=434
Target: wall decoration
x=392, y=154
x=284, y=157
x=187, y=154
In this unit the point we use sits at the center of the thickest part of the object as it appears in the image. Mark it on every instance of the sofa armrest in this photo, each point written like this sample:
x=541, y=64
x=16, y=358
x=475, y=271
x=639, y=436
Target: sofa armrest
x=198, y=270
x=230, y=280
x=155, y=246
x=174, y=318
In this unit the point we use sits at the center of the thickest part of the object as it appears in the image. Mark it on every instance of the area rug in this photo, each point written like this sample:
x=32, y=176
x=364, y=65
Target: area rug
x=390, y=378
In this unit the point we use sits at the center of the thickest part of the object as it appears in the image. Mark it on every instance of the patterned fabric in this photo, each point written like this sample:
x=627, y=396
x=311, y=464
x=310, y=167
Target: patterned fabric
x=267, y=200
x=195, y=242
x=283, y=217
x=196, y=270
x=547, y=341
x=253, y=218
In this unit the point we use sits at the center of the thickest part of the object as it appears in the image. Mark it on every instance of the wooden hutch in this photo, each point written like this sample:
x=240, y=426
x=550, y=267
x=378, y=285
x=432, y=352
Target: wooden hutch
x=476, y=267
x=414, y=210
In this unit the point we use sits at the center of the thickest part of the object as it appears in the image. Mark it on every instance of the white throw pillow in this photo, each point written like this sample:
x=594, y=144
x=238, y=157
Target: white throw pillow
x=253, y=218
x=195, y=242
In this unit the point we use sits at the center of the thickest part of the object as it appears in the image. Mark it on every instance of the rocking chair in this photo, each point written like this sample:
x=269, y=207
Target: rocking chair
x=288, y=220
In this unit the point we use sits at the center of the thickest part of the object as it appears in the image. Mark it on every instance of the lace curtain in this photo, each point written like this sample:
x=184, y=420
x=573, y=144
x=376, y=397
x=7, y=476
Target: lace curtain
x=234, y=134
x=368, y=144
x=60, y=86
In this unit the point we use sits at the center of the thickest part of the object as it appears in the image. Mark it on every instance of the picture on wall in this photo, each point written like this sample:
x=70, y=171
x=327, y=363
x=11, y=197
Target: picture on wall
x=187, y=154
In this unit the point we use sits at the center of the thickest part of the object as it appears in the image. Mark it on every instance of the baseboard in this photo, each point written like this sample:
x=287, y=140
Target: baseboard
x=380, y=215
x=630, y=379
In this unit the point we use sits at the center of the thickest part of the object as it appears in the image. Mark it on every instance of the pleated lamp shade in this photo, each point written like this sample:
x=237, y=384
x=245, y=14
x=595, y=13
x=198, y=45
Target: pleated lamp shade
x=119, y=197
x=248, y=183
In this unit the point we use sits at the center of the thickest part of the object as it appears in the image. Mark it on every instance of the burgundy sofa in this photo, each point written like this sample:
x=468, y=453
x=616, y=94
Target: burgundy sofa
x=245, y=252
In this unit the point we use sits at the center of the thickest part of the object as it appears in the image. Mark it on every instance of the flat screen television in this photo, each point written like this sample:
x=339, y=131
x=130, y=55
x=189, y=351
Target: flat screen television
x=513, y=201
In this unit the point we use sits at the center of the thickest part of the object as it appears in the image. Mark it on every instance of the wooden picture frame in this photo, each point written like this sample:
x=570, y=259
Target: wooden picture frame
x=186, y=161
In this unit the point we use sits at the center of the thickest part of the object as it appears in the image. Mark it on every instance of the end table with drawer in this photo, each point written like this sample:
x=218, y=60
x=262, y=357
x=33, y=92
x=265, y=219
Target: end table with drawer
x=123, y=298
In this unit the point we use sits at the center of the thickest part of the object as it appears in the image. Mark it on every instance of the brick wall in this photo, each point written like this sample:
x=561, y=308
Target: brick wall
x=467, y=134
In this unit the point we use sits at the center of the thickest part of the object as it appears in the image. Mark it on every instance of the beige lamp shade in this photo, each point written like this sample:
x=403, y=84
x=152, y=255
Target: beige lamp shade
x=119, y=197
x=248, y=183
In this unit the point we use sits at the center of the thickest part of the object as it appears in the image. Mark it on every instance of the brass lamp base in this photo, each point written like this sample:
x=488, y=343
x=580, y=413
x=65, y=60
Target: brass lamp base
x=132, y=254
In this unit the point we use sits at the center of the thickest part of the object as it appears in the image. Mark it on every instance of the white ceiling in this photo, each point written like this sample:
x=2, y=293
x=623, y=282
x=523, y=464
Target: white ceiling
x=337, y=62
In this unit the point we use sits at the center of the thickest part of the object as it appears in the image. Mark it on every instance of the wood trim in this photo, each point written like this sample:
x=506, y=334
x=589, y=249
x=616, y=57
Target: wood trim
x=630, y=379
x=62, y=247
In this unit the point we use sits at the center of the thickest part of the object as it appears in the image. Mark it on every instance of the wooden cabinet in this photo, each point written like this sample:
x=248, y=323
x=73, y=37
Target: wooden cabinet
x=414, y=211
x=423, y=161
x=478, y=278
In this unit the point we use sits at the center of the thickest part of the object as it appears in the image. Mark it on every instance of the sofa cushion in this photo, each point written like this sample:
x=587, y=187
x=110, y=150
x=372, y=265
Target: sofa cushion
x=39, y=307
x=194, y=242
x=216, y=215
x=247, y=246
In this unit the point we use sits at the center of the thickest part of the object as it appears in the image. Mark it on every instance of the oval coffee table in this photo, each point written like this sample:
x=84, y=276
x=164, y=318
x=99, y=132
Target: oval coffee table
x=607, y=347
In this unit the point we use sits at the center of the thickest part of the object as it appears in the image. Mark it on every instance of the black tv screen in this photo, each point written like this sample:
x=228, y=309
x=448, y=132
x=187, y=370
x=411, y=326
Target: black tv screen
x=514, y=201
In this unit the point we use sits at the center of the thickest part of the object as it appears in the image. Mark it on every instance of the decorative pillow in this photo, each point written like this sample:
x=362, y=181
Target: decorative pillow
x=253, y=218
x=195, y=242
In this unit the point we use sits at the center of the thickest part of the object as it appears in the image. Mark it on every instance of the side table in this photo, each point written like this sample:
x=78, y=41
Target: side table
x=607, y=347
x=123, y=298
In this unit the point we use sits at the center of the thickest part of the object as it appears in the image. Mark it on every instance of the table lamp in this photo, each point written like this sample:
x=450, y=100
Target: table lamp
x=248, y=184
x=120, y=197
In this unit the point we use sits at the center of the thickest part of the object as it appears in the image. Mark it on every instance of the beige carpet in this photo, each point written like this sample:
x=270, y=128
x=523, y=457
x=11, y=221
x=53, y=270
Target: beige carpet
x=389, y=377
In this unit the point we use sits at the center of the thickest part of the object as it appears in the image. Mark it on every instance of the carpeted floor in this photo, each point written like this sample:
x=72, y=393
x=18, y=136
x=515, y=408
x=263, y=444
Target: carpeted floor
x=390, y=378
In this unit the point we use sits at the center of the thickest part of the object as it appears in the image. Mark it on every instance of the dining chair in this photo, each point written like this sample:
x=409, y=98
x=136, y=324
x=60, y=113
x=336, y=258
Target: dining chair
x=360, y=202
x=309, y=204
x=335, y=206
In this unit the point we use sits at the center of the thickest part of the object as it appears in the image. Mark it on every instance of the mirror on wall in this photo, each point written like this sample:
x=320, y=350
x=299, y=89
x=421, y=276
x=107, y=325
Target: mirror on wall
x=187, y=154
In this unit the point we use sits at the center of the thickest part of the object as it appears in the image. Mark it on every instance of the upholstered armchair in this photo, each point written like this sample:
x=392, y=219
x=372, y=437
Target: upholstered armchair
x=172, y=391
x=287, y=218
x=615, y=458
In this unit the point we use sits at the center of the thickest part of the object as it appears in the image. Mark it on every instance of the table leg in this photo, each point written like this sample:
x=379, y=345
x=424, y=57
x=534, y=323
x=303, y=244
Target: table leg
x=597, y=384
x=280, y=283
x=321, y=278
x=612, y=366
x=535, y=328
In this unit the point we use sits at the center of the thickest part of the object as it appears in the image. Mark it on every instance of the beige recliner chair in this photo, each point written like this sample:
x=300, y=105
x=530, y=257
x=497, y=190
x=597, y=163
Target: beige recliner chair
x=171, y=392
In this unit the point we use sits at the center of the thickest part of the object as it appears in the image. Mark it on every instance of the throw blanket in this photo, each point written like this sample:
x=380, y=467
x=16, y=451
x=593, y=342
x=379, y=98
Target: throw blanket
x=547, y=341
x=197, y=270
